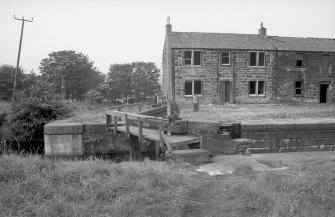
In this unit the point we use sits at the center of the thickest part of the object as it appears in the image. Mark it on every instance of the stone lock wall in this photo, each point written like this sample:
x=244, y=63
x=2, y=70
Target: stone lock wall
x=284, y=136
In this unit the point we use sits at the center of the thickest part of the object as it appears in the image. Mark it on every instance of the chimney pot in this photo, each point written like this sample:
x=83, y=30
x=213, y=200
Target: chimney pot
x=262, y=31
x=168, y=27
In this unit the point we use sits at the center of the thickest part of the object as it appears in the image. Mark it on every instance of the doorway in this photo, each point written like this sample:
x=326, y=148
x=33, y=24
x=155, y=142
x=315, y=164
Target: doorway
x=323, y=93
x=225, y=91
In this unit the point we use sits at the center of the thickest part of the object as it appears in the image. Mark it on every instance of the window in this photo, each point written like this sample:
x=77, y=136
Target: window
x=298, y=87
x=225, y=58
x=298, y=62
x=257, y=59
x=325, y=63
x=256, y=87
x=192, y=58
x=192, y=88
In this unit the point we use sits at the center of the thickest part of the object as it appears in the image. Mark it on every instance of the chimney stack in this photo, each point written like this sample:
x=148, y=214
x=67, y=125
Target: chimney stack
x=262, y=31
x=168, y=26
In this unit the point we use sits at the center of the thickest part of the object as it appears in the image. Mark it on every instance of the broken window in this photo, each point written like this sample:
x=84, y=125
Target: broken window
x=260, y=87
x=261, y=59
x=192, y=58
x=252, y=87
x=197, y=87
x=188, y=87
x=225, y=58
x=298, y=62
x=298, y=87
x=187, y=57
x=325, y=63
x=257, y=58
x=193, y=87
x=253, y=57
x=197, y=58
x=256, y=87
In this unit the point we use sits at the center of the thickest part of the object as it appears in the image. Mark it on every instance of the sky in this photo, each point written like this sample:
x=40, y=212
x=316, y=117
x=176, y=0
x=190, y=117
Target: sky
x=123, y=31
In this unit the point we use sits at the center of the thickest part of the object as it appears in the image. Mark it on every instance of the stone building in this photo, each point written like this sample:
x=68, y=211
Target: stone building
x=247, y=68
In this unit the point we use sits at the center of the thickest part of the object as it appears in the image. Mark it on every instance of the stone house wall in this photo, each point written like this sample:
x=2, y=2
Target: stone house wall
x=279, y=75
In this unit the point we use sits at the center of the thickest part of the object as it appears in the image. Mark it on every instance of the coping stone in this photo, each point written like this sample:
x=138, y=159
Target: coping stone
x=59, y=128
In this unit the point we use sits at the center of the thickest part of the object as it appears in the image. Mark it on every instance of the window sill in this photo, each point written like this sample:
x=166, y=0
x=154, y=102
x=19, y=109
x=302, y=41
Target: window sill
x=225, y=64
x=190, y=96
x=257, y=66
x=195, y=66
x=298, y=95
x=257, y=95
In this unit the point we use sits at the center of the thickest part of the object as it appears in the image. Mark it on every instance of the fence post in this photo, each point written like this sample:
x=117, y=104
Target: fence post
x=115, y=124
x=140, y=132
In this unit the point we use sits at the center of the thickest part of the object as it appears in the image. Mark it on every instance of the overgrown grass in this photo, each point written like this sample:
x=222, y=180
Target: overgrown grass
x=86, y=112
x=305, y=189
x=5, y=106
x=32, y=186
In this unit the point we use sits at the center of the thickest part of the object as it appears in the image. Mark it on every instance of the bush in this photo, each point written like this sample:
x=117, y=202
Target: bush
x=32, y=109
x=93, y=96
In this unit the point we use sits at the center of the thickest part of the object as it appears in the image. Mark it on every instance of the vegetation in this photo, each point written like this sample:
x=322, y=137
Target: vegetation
x=77, y=70
x=133, y=80
x=32, y=109
x=32, y=186
x=7, y=73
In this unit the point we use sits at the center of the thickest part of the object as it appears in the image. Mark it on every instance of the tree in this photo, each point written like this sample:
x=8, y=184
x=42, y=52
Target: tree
x=146, y=81
x=137, y=78
x=119, y=79
x=7, y=73
x=79, y=73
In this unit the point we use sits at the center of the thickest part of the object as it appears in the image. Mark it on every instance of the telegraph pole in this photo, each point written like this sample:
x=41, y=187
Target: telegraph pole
x=18, y=56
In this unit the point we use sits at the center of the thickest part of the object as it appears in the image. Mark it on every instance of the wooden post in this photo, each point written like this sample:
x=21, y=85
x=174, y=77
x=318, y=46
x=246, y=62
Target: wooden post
x=119, y=109
x=127, y=127
x=108, y=122
x=201, y=145
x=140, y=132
x=140, y=108
x=115, y=124
x=157, y=148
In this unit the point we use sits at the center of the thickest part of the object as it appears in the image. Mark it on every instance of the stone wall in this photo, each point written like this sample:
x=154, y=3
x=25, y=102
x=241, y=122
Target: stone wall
x=311, y=74
x=279, y=73
x=289, y=136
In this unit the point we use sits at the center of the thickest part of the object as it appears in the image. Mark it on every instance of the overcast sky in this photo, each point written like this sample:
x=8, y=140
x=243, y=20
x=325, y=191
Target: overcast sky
x=120, y=31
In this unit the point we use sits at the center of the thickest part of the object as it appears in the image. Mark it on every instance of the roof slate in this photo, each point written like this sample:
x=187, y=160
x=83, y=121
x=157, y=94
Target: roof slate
x=248, y=42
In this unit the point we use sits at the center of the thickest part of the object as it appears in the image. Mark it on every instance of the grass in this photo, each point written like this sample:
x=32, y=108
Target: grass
x=307, y=188
x=5, y=107
x=32, y=186
x=259, y=112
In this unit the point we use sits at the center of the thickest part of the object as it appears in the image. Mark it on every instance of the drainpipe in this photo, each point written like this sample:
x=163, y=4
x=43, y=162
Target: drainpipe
x=217, y=75
x=234, y=74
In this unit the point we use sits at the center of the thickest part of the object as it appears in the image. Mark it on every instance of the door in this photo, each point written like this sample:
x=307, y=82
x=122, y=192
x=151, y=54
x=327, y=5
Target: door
x=224, y=91
x=323, y=93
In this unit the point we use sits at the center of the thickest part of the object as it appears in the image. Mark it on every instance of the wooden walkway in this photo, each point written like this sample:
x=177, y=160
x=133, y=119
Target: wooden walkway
x=154, y=135
x=134, y=124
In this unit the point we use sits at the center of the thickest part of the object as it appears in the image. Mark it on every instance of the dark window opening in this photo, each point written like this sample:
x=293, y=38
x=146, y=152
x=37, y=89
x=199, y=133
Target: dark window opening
x=253, y=57
x=187, y=57
x=261, y=59
x=225, y=58
x=197, y=87
x=252, y=87
x=197, y=58
x=260, y=87
x=299, y=63
x=298, y=87
x=188, y=87
x=323, y=93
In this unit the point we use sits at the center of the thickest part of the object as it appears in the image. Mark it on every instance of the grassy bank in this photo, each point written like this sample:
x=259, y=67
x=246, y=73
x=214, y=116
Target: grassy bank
x=32, y=186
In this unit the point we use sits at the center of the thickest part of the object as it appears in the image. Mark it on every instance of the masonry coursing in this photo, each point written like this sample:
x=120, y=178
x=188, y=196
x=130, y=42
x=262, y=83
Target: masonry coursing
x=280, y=78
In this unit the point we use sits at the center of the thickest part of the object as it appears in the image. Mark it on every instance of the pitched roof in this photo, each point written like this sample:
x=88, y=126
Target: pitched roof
x=248, y=42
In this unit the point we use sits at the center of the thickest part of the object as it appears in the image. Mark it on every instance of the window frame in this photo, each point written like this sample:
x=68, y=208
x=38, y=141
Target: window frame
x=192, y=58
x=300, y=57
x=257, y=58
x=301, y=88
x=193, y=87
x=225, y=64
x=256, y=87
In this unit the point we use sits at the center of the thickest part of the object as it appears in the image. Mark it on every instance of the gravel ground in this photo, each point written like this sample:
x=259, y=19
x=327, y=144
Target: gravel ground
x=250, y=112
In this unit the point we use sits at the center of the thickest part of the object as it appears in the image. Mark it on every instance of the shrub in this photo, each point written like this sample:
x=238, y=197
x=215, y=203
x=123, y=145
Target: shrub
x=32, y=109
x=93, y=96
